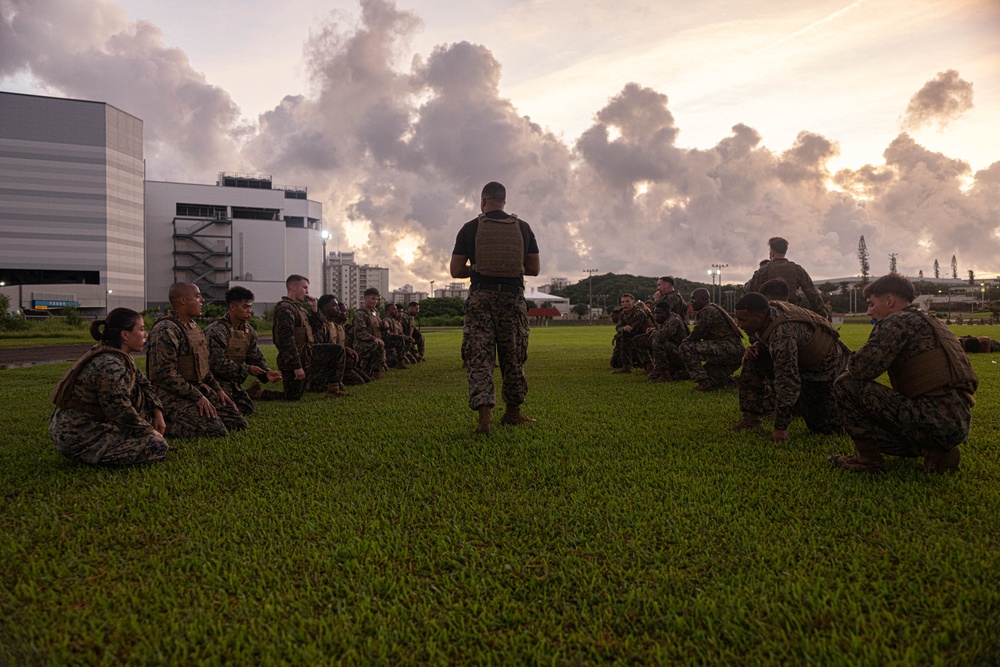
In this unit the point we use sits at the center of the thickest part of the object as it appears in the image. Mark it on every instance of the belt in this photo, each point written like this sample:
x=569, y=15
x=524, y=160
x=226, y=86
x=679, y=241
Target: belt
x=496, y=287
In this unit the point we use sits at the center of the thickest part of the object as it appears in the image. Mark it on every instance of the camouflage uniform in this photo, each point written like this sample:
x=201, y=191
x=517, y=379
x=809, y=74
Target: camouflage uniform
x=937, y=419
x=716, y=340
x=334, y=333
x=677, y=304
x=634, y=345
x=796, y=278
x=411, y=328
x=170, y=348
x=367, y=330
x=106, y=412
x=294, y=335
x=666, y=341
x=231, y=352
x=328, y=361
x=496, y=322
x=395, y=344
x=800, y=360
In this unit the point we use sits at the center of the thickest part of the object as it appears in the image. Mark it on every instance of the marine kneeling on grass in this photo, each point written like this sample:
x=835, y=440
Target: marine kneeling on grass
x=799, y=355
x=927, y=411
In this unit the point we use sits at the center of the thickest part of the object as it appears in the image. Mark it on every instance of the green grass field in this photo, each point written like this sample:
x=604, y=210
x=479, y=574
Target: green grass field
x=628, y=525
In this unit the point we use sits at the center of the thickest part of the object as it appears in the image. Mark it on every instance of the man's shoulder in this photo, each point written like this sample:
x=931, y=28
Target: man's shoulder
x=222, y=324
x=163, y=325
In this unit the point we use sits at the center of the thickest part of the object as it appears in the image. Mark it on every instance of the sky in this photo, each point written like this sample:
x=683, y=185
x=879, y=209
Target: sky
x=635, y=137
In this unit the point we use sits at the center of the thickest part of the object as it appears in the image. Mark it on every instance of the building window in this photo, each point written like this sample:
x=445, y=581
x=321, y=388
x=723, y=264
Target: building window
x=201, y=211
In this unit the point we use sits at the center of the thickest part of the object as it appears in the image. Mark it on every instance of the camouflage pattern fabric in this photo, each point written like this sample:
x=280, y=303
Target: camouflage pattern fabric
x=367, y=329
x=714, y=342
x=496, y=324
x=125, y=435
x=395, y=344
x=229, y=373
x=677, y=304
x=320, y=362
x=178, y=396
x=803, y=282
x=327, y=366
x=665, y=343
x=635, y=344
x=902, y=426
x=777, y=365
x=411, y=327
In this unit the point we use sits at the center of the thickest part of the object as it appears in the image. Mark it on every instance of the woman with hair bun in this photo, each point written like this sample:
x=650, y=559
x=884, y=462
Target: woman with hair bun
x=106, y=411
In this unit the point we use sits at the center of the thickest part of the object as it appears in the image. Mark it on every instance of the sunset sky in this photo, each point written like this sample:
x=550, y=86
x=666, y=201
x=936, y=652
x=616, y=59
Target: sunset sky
x=818, y=121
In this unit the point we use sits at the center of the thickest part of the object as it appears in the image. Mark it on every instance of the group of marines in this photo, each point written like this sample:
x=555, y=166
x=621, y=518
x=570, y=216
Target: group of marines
x=108, y=412
x=796, y=364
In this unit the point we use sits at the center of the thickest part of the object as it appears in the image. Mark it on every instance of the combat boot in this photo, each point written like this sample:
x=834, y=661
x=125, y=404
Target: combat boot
x=333, y=390
x=661, y=376
x=750, y=422
x=624, y=370
x=485, y=421
x=866, y=458
x=649, y=368
x=706, y=385
x=513, y=416
x=255, y=391
x=401, y=364
x=941, y=461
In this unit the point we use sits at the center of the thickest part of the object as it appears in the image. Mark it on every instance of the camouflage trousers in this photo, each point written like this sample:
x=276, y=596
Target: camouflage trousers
x=722, y=358
x=666, y=353
x=326, y=367
x=239, y=395
x=816, y=402
x=371, y=356
x=496, y=324
x=902, y=426
x=84, y=438
x=185, y=421
x=395, y=348
x=635, y=347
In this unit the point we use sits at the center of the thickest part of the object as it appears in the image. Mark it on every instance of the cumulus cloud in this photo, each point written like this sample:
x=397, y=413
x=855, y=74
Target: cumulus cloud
x=941, y=100
x=397, y=147
x=87, y=49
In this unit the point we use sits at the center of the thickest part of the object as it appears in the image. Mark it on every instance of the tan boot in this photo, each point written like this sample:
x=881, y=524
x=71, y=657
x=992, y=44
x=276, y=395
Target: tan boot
x=866, y=458
x=941, y=461
x=624, y=370
x=514, y=417
x=401, y=364
x=661, y=376
x=333, y=390
x=255, y=391
x=485, y=421
x=750, y=422
x=649, y=368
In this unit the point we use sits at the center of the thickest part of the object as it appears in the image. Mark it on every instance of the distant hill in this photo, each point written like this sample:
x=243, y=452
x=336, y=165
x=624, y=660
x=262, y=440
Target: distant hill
x=609, y=287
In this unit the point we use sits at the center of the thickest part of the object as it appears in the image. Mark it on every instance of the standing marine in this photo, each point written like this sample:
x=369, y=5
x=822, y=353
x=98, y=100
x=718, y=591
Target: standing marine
x=495, y=250
x=793, y=274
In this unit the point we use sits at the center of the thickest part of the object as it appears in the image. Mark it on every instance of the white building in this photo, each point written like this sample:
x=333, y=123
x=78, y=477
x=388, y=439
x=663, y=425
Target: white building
x=348, y=280
x=71, y=210
x=241, y=231
x=544, y=300
x=458, y=290
x=404, y=295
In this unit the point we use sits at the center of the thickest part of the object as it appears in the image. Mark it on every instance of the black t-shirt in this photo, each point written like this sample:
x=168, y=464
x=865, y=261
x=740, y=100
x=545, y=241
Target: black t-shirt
x=465, y=244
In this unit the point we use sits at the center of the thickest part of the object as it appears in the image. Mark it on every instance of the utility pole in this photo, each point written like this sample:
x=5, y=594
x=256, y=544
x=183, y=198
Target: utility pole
x=590, y=299
x=432, y=289
x=326, y=276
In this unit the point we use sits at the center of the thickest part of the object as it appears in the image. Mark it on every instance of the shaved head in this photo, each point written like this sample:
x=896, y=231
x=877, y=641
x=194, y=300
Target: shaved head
x=179, y=291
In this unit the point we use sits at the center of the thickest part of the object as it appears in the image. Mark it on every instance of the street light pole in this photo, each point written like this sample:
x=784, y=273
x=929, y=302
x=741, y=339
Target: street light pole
x=107, y=300
x=590, y=299
x=432, y=289
x=719, y=267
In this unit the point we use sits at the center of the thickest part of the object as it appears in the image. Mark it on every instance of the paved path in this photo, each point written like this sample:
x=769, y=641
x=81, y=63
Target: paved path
x=14, y=357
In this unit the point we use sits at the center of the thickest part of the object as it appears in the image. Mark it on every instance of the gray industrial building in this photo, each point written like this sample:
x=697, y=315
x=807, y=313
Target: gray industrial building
x=71, y=204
